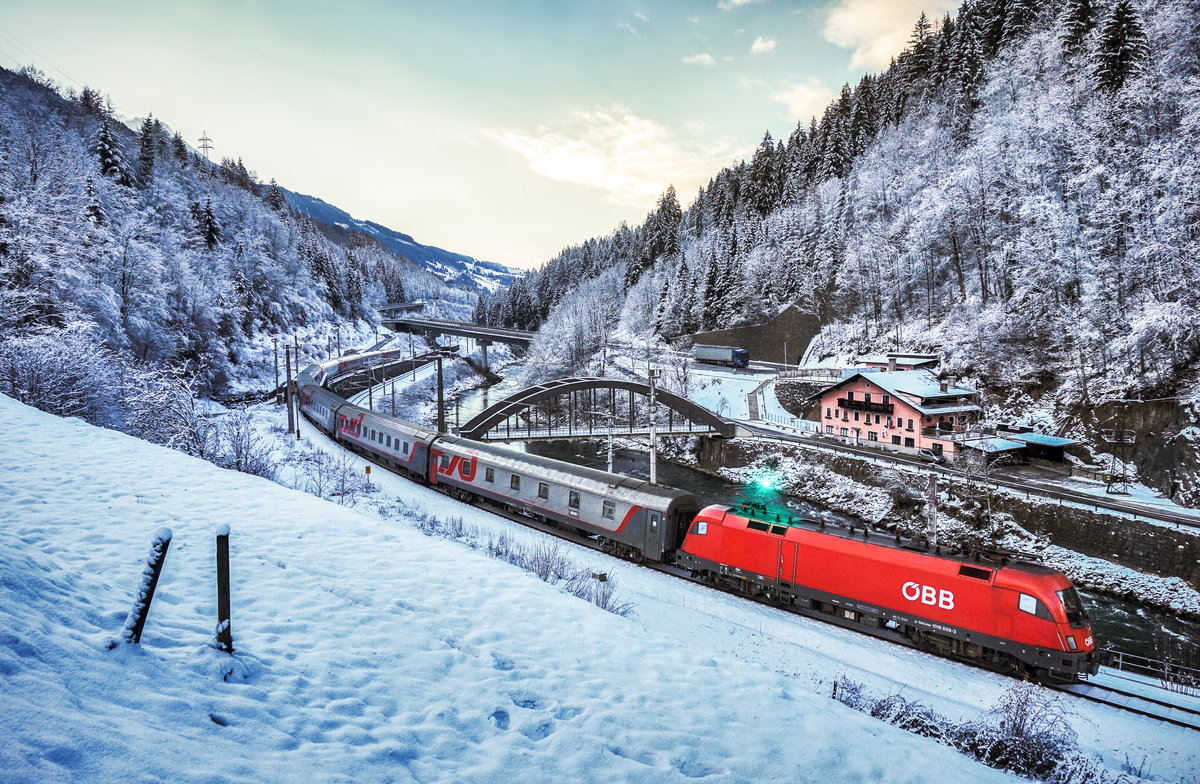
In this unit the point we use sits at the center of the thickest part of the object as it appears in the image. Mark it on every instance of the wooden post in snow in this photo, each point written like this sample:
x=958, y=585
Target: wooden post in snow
x=132, y=633
x=224, y=629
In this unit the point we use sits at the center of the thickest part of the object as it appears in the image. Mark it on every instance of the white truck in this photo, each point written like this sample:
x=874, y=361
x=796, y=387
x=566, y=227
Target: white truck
x=730, y=356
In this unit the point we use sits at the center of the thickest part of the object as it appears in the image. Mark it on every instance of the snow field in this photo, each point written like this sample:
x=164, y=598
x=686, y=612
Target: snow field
x=371, y=652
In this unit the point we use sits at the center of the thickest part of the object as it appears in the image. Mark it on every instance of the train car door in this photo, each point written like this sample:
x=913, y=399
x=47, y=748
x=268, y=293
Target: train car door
x=788, y=552
x=654, y=526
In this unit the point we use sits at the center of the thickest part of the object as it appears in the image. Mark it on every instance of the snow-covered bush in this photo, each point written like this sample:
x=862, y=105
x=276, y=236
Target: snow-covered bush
x=68, y=372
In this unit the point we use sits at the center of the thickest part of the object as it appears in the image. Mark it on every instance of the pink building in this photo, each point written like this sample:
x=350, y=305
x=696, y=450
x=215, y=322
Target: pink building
x=903, y=411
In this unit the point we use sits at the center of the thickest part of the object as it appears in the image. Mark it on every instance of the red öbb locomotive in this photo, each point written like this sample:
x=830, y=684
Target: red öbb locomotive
x=1012, y=616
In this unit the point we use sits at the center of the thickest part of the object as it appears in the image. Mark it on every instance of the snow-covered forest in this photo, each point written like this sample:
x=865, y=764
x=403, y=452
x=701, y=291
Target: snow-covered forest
x=1019, y=191
x=126, y=255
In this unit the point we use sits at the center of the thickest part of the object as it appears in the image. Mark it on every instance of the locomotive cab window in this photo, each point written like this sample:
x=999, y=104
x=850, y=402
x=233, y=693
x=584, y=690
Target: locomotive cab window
x=608, y=511
x=543, y=490
x=1076, y=615
x=700, y=528
x=514, y=482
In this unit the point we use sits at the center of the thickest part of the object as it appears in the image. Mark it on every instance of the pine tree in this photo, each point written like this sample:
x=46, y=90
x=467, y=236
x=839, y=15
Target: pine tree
x=1123, y=47
x=968, y=69
x=111, y=163
x=90, y=102
x=762, y=185
x=1018, y=20
x=210, y=227
x=1078, y=22
x=179, y=148
x=147, y=148
x=275, y=197
x=93, y=210
x=920, y=51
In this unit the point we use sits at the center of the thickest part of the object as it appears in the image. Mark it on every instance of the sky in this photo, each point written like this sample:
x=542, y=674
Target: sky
x=505, y=129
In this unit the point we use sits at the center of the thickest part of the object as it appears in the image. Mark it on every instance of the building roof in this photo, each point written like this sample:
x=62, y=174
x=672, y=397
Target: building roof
x=993, y=445
x=1041, y=439
x=921, y=385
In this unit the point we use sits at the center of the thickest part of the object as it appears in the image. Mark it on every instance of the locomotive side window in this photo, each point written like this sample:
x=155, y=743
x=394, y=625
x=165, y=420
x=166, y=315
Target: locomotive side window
x=756, y=525
x=543, y=490
x=609, y=510
x=514, y=482
x=701, y=528
x=1031, y=605
x=489, y=474
x=573, y=500
x=779, y=530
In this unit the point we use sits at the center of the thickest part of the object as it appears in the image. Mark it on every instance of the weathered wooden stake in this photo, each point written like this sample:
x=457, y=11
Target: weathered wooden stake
x=132, y=633
x=224, y=628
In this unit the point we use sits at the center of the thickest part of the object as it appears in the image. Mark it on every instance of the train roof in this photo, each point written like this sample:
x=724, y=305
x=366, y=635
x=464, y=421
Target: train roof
x=349, y=409
x=987, y=559
x=568, y=473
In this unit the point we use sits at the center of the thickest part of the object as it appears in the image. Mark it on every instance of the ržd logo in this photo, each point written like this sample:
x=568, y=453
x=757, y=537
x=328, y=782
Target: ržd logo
x=927, y=594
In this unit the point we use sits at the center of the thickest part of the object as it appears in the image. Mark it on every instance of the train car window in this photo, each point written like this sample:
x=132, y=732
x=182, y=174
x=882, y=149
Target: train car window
x=609, y=510
x=573, y=500
x=445, y=466
x=389, y=442
x=543, y=490
x=975, y=572
x=406, y=447
x=489, y=475
x=514, y=482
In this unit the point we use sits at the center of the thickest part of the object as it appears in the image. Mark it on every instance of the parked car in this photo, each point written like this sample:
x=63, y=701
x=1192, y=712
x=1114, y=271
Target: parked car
x=929, y=456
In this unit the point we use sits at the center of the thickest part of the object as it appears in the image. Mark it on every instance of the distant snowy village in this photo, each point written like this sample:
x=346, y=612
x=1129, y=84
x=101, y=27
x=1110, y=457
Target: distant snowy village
x=877, y=459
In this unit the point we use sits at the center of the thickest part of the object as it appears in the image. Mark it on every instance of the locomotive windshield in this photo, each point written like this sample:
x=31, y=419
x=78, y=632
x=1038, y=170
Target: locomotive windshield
x=1076, y=616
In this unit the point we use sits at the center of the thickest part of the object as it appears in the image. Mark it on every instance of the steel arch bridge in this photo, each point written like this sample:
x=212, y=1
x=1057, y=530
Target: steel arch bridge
x=590, y=408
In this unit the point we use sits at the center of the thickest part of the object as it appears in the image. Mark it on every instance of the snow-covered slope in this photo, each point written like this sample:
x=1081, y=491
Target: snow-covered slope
x=452, y=267
x=373, y=652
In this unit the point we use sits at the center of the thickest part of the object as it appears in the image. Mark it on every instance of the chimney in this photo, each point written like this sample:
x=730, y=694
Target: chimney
x=891, y=363
x=945, y=386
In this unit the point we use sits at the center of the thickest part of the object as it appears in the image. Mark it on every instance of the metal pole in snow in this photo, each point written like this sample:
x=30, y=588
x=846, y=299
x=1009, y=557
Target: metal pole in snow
x=224, y=627
x=275, y=341
x=653, y=439
x=287, y=393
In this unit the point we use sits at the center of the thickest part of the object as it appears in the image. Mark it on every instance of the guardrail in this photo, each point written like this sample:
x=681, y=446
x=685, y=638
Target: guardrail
x=1170, y=676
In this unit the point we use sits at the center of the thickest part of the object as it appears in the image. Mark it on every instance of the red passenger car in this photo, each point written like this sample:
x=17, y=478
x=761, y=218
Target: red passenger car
x=1007, y=614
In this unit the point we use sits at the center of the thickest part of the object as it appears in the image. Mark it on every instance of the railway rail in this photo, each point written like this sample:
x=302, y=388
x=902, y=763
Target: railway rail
x=1137, y=702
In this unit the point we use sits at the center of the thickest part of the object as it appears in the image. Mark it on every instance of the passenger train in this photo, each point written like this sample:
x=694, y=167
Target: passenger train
x=989, y=609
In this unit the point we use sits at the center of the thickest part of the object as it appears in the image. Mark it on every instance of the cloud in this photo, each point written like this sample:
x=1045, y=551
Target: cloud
x=641, y=16
x=730, y=5
x=631, y=159
x=626, y=27
x=806, y=99
x=877, y=30
x=762, y=45
x=703, y=58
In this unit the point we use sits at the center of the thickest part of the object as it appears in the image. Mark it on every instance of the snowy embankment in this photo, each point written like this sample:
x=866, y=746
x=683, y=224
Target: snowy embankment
x=372, y=652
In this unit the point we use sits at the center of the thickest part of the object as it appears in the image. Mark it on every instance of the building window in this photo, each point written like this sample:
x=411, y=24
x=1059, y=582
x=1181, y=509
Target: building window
x=845, y=415
x=845, y=431
x=829, y=429
x=889, y=421
x=908, y=442
x=896, y=440
x=877, y=419
x=514, y=482
x=849, y=395
x=489, y=474
x=910, y=425
x=543, y=490
x=887, y=399
x=937, y=447
x=867, y=397
x=872, y=435
x=828, y=413
x=855, y=416
x=608, y=510
x=573, y=500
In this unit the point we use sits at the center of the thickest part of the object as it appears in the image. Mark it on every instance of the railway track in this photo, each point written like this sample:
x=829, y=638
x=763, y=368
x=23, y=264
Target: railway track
x=1130, y=701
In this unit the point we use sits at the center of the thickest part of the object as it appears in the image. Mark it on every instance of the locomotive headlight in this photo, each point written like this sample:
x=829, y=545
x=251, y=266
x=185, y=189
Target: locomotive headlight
x=1071, y=643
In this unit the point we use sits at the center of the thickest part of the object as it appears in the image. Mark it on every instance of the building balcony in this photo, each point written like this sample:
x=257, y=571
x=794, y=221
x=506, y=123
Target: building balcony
x=950, y=433
x=862, y=405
